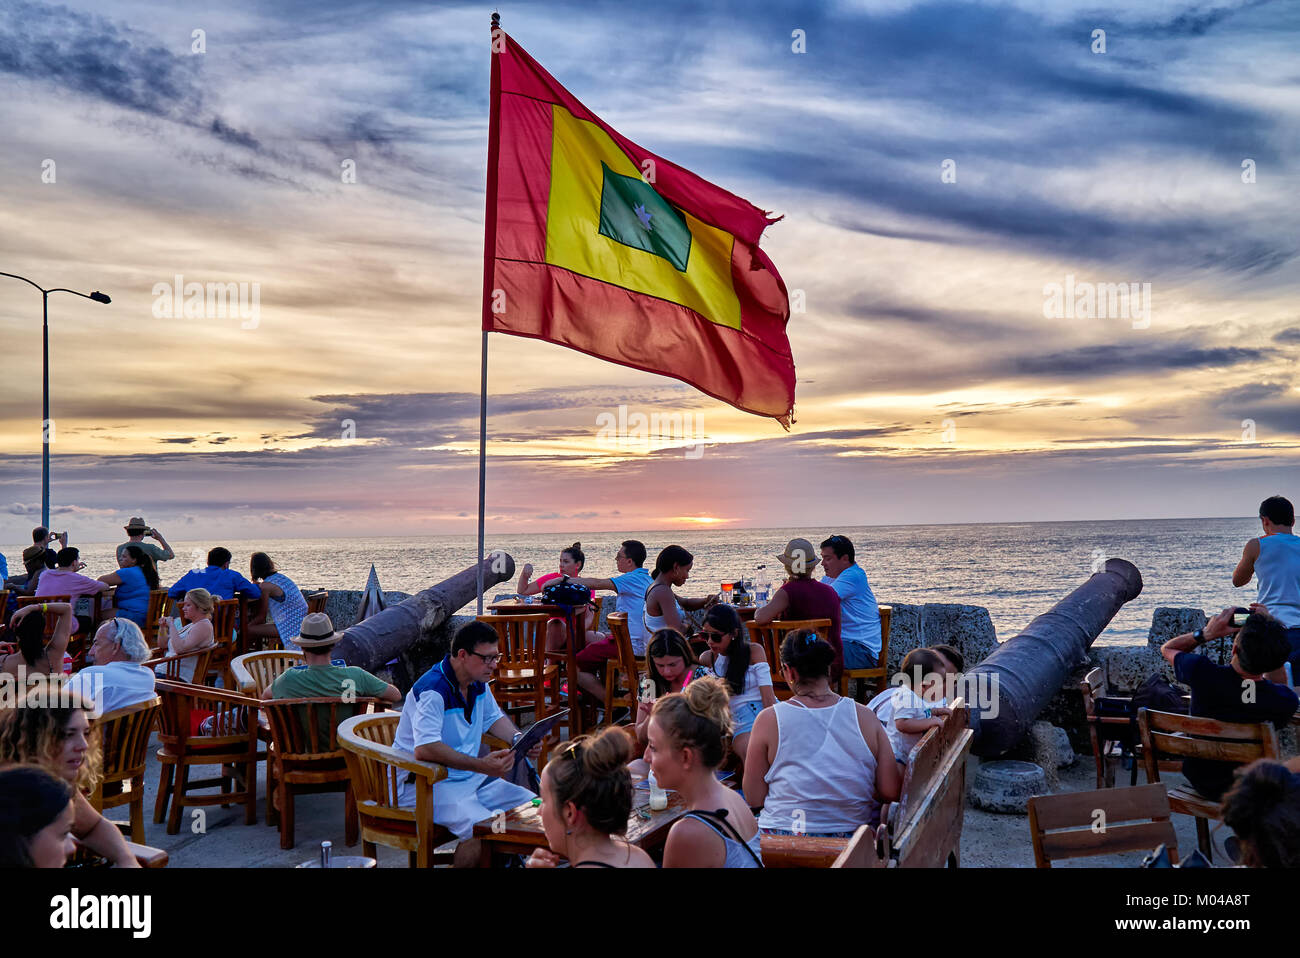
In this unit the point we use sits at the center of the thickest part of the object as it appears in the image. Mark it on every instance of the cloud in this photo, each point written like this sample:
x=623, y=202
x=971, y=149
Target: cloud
x=1116, y=358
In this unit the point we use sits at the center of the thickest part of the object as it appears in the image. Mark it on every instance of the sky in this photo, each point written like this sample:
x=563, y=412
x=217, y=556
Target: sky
x=941, y=168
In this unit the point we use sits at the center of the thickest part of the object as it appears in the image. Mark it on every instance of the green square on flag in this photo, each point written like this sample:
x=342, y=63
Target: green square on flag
x=632, y=213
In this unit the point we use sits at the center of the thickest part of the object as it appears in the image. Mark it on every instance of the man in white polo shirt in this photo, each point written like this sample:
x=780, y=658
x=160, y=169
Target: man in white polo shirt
x=859, y=614
x=118, y=678
x=444, y=718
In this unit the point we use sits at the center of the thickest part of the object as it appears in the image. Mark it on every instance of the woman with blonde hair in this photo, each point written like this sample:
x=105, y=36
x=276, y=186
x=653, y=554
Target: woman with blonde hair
x=586, y=800
x=690, y=734
x=43, y=730
x=189, y=633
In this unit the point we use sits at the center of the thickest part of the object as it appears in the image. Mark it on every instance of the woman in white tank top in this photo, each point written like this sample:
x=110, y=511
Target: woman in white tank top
x=819, y=764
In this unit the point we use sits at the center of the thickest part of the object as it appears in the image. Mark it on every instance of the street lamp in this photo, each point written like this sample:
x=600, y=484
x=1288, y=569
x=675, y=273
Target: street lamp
x=98, y=297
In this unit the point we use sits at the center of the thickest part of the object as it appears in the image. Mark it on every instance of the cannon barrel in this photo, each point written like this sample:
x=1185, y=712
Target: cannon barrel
x=1024, y=673
x=379, y=639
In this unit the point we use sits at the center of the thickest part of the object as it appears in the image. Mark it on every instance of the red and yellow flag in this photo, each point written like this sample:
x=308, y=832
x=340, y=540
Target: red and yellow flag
x=597, y=244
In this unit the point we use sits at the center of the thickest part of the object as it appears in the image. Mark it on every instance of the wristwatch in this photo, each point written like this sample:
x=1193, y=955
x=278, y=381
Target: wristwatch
x=1199, y=636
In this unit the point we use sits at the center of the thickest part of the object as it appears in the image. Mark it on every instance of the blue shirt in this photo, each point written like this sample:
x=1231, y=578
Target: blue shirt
x=859, y=613
x=222, y=583
x=132, y=596
x=632, y=587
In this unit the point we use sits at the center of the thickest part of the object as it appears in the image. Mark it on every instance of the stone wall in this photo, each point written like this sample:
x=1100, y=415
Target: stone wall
x=967, y=627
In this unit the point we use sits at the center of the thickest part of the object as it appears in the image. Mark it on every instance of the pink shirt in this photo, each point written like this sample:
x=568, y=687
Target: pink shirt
x=67, y=582
x=544, y=579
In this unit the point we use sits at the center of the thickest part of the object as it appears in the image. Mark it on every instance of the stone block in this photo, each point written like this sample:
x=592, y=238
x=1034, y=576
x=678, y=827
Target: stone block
x=1168, y=622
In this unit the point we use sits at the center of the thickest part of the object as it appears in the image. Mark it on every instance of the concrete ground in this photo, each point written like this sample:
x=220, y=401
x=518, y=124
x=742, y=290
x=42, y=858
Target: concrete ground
x=995, y=840
x=218, y=837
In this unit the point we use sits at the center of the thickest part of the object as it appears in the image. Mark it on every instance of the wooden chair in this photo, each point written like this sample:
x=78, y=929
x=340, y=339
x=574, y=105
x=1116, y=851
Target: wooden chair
x=157, y=606
x=623, y=674
x=376, y=769
x=232, y=748
x=1104, y=822
x=1113, y=735
x=520, y=679
x=51, y=618
x=772, y=635
x=305, y=758
x=877, y=675
x=923, y=828
x=1166, y=735
x=124, y=735
x=255, y=672
x=173, y=664
x=316, y=601
x=224, y=618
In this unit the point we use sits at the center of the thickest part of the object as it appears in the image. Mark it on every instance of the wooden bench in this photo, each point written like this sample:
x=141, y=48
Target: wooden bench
x=923, y=828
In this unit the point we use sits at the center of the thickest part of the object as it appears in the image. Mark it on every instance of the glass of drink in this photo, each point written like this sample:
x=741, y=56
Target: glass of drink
x=726, y=593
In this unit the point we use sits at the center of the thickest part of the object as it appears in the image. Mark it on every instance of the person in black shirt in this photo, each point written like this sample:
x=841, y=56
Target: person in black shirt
x=1237, y=692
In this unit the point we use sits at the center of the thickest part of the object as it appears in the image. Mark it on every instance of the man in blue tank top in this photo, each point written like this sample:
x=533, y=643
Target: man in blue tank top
x=1274, y=558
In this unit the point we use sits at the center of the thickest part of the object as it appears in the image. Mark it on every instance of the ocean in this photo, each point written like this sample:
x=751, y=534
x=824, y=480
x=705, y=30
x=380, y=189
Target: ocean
x=1016, y=570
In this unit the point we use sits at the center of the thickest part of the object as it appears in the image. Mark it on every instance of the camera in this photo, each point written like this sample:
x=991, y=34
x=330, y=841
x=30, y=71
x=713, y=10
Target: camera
x=1239, y=616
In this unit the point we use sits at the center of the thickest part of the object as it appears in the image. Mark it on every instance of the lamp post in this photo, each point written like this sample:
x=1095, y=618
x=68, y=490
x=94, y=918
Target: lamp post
x=98, y=297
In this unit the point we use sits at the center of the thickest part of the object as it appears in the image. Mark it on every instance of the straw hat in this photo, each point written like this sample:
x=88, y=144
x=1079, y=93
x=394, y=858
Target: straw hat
x=317, y=631
x=799, y=557
x=136, y=524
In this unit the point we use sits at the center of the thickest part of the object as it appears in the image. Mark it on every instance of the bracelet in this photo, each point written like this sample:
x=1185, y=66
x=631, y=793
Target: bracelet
x=45, y=607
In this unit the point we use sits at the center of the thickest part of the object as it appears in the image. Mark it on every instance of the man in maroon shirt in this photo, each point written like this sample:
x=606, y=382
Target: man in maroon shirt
x=803, y=597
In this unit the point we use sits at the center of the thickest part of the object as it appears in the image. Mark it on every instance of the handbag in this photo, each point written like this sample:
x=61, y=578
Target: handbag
x=566, y=592
x=1160, y=695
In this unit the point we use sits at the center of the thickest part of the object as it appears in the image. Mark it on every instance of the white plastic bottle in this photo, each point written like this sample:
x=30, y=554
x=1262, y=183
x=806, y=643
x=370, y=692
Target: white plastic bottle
x=658, y=797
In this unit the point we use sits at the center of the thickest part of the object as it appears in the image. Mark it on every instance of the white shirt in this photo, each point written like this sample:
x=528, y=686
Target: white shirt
x=758, y=674
x=435, y=712
x=114, y=686
x=859, y=614
x=632, y=587
x=900, y=702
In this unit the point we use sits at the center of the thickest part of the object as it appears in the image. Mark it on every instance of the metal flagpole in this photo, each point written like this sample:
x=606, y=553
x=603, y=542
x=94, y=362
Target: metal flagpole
x=482, y=464
x=489, y=256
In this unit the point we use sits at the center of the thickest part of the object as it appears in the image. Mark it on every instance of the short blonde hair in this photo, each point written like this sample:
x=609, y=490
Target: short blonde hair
x=203, y=599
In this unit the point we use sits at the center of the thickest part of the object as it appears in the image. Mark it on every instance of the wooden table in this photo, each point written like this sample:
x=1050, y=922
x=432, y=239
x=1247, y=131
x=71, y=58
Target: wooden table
x=577, y=638
x=523, y=830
